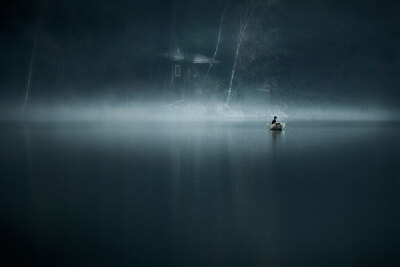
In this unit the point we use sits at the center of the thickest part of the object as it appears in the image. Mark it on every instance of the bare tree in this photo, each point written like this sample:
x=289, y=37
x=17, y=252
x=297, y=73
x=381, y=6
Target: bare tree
x=245, y=17
x=172, y=44
x=28, y=84
x=218, y=41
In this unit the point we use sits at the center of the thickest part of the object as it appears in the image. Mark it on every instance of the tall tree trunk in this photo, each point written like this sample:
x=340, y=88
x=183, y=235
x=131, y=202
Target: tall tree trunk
x=244, y=21
x=57, y=81
x=217, y=45
x=125, y=53
x=28, y=84
x=172, y=45
x=59, y=84
x=239, y=43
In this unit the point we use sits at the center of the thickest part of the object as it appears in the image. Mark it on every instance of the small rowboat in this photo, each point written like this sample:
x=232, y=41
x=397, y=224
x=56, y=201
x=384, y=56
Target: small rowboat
x=276, y=126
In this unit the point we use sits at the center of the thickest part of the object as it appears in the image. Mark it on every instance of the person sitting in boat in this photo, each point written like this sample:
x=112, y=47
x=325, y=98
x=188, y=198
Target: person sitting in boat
x=274, y=120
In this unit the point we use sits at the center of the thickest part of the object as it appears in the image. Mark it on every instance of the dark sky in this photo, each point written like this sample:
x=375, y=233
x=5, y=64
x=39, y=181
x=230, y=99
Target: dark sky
x=322, y=48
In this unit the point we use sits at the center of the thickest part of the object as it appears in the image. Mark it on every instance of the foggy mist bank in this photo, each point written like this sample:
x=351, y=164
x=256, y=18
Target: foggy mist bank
x=192, y=110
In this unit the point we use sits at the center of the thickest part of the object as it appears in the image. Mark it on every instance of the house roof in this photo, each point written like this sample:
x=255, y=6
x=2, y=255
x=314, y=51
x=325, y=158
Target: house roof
x=193, y=58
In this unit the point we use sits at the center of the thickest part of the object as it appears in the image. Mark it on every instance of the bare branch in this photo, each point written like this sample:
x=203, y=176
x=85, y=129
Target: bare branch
x=218, y=40
x=33, y=56
x=243, y=23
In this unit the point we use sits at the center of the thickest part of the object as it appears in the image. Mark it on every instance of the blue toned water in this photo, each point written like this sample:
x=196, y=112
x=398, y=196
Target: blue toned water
x=200, y=194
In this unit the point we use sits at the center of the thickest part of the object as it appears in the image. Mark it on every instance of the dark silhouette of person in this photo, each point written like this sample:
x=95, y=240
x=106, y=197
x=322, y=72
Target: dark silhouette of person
x=274, y=120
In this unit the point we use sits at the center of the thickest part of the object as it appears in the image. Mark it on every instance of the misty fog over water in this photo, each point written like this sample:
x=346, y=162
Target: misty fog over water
x=112, y=110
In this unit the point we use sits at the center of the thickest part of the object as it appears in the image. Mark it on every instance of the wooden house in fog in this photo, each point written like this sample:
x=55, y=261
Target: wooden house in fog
x=181, y=72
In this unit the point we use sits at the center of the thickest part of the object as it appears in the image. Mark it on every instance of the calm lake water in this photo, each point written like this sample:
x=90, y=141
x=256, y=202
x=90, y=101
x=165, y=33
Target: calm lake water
x=200, y=194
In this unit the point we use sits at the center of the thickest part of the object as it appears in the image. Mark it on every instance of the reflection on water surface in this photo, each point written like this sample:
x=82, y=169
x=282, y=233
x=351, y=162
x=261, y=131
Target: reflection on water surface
x=200, y=193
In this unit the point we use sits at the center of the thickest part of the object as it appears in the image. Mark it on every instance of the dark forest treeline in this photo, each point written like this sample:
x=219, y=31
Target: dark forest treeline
x=308, y=50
